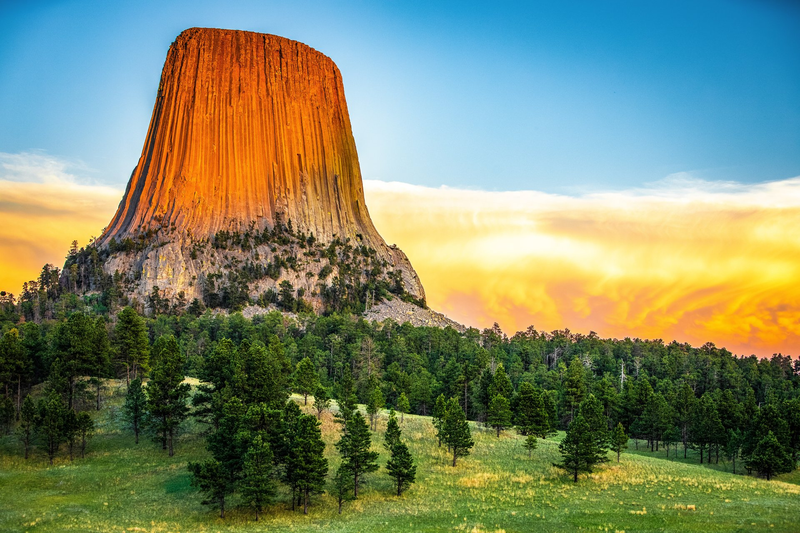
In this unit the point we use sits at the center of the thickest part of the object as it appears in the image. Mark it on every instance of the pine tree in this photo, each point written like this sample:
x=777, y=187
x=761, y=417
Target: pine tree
x=131, y=343
x=51, y=422
x=307, y=455
x=166, y=393
x=15, y=362
x=343, y=488
x=500, y=384
x=530, y=415
x=134, y=409
x=210, y=477
x=767, y=419
x=306, y=379
x=354, y=447
x=84, y=428
x=27, y=423
x=592, y=411
x=734, y=446
x=374, y=404
x=575, y=385
x=579, y=448
x=439, y=414
x=401, y=466
x=403, y=406
x=530, y=444
x=456, y=432
x=101, y=347
x=392, y=435
x=322, y=400
x=499, y=415
x=229, y=442
x=283, y=449
x=619, y=440
x=769, y=457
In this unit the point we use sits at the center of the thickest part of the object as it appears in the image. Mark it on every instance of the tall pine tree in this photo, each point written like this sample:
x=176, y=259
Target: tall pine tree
x=354, y=446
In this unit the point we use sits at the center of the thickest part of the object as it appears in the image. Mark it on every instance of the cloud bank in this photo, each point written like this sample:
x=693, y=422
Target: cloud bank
x=682, y=259
x=43, y=208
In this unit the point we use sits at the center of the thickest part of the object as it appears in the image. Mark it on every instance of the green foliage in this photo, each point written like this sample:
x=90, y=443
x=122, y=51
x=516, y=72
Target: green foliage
x=343, y=488
x=166, y=393
x=322, y=401
x=403, y=406
x=27, y=424
x=306, y=458
x=401, y=467
x=530, y=444
x=131, y=344
x=501, y=384
x=575, y=385
x=619, y=440
x=769, y=457
x=374, y=404
x=531, y=417
x=455, y=431
x=392, y=435
x=51, y=423
x=134, y=409
x=499, y=416
x=355, y=449
x=210, y=477
x=439, y=415
x=306, y=379
x=579, y=449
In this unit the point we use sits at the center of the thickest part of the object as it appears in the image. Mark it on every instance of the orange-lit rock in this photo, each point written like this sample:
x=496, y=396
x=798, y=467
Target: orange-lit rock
x=246, y=127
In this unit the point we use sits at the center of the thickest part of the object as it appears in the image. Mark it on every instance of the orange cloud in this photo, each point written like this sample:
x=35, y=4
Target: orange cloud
x=43, y=208
x=687, y=260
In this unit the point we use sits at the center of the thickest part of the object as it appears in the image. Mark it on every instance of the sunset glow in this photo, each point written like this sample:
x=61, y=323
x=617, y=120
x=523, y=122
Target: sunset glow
x=684, y=259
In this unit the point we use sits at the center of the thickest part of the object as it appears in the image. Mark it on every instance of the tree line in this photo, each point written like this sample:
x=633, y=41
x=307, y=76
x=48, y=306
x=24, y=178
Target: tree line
x=671, y=398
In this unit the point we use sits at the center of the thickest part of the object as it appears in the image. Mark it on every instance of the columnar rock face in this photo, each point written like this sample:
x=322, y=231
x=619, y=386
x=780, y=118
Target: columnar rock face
x=249, y=129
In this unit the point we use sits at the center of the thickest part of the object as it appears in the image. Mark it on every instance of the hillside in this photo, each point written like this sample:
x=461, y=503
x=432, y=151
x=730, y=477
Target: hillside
x=123, y=487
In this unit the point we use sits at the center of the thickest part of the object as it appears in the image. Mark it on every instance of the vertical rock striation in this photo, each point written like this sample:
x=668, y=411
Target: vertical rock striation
x=248, y=129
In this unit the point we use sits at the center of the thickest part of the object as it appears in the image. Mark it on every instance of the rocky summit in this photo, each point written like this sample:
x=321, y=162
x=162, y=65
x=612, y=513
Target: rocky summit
x=248, y=180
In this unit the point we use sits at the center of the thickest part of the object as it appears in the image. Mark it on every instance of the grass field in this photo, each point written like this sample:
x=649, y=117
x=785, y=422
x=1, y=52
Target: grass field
x=123, y=487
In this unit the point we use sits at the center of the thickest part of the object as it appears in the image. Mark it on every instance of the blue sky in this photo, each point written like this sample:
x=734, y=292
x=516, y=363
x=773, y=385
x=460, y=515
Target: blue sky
x=553, y=96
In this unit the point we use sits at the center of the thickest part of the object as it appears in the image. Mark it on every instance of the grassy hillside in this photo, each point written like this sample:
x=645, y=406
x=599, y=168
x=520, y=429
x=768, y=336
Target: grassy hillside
x=123, y=487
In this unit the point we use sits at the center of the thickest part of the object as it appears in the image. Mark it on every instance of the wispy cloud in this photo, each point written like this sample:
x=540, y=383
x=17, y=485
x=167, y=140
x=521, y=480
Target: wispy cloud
x=45, y=204
x=682, y=259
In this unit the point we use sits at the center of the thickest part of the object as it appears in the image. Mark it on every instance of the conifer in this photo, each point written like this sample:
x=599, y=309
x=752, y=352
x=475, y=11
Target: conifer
x=27, y=423
x=392, y=435
x=401, y=466
x=769, y=457
x=619, y=440
x=212, y=479
x=403, y=406
x=530, y=444
x=322, y=400
x=354, y=447
x=306, y=379
x=135, y=407
x=439, y=414
x=456, y=432
x=257, y=485
x=499, y=416
x=166, y=393
x=579, y=448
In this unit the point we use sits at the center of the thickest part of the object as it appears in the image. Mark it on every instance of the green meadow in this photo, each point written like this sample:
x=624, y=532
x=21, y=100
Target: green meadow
x=123, y=487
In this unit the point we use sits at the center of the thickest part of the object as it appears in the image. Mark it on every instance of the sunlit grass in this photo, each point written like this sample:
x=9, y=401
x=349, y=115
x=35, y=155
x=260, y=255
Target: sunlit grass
x=122, y=487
